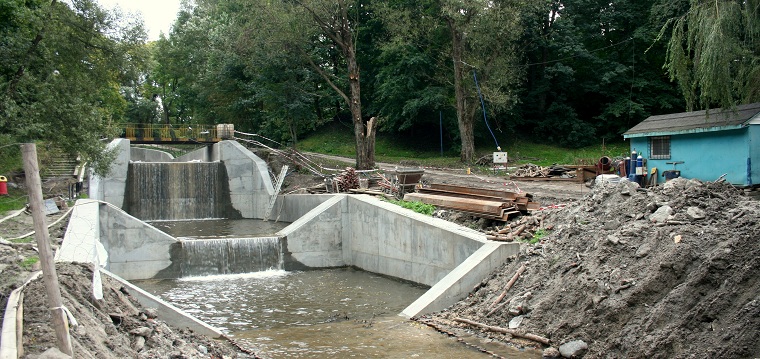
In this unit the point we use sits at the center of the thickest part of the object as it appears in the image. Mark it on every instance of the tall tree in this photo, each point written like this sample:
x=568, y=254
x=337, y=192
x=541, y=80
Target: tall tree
x=714, y=51
x=338, y=21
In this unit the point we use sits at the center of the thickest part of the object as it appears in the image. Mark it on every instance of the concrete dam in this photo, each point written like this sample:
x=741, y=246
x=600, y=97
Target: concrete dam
x=225, y=180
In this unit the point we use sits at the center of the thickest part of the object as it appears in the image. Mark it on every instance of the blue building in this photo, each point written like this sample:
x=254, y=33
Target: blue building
x=704, y=144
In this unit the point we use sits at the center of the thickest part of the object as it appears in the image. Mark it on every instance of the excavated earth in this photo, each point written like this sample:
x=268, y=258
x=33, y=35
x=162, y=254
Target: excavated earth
x=670, y=272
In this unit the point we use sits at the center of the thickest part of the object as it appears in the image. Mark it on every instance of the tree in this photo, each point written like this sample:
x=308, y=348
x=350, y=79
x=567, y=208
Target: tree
x=714, y=51
x=61, y=70
x=336, y=21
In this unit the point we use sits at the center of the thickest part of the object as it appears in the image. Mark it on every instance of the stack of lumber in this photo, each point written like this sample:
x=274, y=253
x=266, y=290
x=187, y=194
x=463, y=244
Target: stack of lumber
x=479, y=202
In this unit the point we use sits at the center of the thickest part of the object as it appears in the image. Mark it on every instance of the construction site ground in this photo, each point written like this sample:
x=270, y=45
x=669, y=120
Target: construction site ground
x=612, y=268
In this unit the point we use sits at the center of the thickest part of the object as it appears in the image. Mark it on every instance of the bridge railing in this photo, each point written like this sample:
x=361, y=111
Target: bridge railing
x=167, y=133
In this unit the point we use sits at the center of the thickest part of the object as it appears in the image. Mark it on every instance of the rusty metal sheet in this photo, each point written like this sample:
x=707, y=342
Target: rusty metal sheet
x=476, y=191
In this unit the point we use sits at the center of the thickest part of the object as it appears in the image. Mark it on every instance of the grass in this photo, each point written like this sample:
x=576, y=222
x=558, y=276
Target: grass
x=28, y=262
x=339, y=141
x=16, y=199
x=419, y=207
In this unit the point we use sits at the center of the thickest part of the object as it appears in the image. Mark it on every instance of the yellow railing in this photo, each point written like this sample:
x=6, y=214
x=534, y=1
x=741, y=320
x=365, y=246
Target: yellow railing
x=141, y=132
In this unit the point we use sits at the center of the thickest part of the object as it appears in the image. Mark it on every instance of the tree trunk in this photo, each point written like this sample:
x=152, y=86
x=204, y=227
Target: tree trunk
x=363, y=133
x=464, y=120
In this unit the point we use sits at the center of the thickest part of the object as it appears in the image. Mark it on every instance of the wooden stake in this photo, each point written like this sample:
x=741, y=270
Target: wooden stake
x=509, y=285
x=512, y=332
x=41, y=234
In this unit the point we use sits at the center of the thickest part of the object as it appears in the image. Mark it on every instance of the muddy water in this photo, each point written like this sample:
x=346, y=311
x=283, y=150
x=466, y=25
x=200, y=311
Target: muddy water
x=335, y=313
x=219, y=228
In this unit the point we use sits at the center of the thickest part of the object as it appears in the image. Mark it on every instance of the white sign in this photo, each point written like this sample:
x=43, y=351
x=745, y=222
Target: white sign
x=499, y=157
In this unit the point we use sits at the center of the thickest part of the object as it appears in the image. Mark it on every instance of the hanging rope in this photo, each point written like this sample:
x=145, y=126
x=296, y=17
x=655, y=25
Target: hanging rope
x=483, y=105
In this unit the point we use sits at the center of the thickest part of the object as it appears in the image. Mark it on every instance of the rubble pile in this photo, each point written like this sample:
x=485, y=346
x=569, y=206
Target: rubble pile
x=669, y=272
x=535, y=171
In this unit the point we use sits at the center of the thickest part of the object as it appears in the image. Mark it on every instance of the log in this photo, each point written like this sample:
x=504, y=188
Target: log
x=512, y=332
x=509, y=285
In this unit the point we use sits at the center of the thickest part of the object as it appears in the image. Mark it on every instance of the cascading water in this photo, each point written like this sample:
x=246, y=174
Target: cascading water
x=178, y=190
x=204, y=257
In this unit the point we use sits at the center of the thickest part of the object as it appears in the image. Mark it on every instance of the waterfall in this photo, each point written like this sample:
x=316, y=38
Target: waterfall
x=204, y=257
x=177, y=190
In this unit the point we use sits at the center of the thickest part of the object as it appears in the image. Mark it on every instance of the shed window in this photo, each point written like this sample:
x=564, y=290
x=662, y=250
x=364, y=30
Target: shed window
x=659, y=147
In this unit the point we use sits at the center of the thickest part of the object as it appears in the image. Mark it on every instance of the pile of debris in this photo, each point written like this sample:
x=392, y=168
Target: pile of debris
x=498, y=205
x=668, y=272
x=535, y=171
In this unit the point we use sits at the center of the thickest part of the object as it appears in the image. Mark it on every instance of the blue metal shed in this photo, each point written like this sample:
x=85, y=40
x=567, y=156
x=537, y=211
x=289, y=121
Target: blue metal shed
x=708, y=143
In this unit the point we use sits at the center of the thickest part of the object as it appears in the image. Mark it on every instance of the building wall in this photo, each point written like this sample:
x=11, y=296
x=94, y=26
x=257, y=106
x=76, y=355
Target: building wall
x=706, y=156
x=754, y=155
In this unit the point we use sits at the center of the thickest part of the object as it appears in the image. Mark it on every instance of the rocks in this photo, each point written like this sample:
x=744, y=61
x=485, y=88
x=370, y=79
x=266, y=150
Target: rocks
x=141, y=331
x=661, y=215
x=573, y=349
x=643, y=250
x=695, y=213
x=551, y=353
x=613, y=239
x=516, y=321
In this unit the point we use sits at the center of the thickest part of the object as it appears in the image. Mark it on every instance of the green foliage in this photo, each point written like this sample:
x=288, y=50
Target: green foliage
x=713, y=51
x=540, y=234
x=419, y=207
x=61, y=68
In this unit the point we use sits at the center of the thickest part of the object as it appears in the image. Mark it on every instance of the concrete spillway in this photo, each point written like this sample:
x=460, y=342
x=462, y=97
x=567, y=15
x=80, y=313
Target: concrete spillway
x=203, y=257
x=178, y=190
x=325, y=230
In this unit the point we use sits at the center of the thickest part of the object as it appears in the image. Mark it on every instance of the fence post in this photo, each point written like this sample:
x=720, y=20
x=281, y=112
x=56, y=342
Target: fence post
x=41, y=234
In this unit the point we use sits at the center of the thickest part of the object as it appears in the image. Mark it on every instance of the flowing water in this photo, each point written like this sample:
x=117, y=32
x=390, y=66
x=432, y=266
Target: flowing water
x=330, y=313
x=219, y=228
x=178, y=190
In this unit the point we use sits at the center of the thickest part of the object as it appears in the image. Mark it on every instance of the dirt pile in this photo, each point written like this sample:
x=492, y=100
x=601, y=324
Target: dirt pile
x=671, y=272
x=114, y=327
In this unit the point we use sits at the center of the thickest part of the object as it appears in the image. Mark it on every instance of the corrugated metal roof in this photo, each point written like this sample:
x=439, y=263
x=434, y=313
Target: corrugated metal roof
x=695, y=121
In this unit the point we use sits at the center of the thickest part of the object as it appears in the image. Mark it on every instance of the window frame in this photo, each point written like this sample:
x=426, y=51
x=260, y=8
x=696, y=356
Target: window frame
x=660, y=147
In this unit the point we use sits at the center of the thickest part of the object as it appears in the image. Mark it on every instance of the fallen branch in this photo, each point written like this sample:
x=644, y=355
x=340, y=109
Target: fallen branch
x=512, y=332
x=509, y=285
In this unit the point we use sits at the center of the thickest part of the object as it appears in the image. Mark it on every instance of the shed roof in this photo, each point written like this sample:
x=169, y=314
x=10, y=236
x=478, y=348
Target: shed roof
x=695, y=121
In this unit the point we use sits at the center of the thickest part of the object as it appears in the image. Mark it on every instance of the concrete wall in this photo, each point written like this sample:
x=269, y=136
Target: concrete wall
x=383, y=238
x=111, y=188
x=205, y=154
x=108, y=237
x=316, y=240
x=136, y=250
x=169, y=313
x=294, y=206
x=250, y=185
x=149, y=155
x=706, y=155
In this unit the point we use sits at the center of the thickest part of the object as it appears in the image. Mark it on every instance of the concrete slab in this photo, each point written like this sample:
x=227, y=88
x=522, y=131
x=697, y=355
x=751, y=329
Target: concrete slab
x=460, y=281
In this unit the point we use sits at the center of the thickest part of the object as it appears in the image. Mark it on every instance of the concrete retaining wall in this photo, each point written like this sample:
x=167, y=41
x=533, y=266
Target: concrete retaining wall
x=169, y=313
x=383, y=238
x=149, y=155
x=111, y=188
x=136, y=250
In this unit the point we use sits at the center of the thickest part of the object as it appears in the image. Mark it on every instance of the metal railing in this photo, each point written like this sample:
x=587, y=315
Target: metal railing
x=167, y=133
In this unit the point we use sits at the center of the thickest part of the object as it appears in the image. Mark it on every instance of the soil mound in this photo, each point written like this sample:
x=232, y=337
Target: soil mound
x=670, y=272
x=114, y=327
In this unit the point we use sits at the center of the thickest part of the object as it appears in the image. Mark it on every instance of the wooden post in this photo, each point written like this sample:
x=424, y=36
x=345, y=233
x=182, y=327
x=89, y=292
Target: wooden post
x=41, y=234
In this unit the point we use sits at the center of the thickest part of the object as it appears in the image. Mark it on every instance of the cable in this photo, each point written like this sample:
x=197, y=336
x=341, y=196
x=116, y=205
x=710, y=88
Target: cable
x=483, y=105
